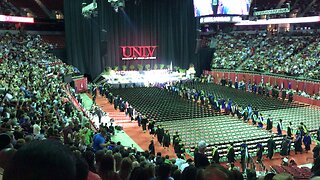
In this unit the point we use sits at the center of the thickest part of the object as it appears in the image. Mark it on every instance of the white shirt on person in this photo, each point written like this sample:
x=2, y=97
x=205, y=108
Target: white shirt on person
x=36, y=129
x=180, y=162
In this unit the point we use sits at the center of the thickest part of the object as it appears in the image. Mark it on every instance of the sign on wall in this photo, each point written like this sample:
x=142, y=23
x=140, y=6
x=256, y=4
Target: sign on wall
x=21, y=19
x=138, y=52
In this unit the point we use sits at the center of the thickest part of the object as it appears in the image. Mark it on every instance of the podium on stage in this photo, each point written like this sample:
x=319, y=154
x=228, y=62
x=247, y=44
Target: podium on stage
x=80, y=84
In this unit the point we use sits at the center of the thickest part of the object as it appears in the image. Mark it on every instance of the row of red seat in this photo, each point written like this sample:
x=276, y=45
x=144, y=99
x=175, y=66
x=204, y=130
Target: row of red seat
x=296, y=172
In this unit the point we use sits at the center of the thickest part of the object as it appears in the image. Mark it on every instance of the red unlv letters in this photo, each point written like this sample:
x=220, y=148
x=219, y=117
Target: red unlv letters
x=138, y=52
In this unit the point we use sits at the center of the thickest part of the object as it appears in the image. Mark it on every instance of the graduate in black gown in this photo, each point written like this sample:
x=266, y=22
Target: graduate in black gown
x=318, y=134
x=290, y=98
x=166, y=140
x=231, y=154
x=215, y=155
x=284, y=146
x=283, y=94
x=160, y=133
x=316, y=150
x=269, y=123
x=244, y=156
x=307, y=141
x=260, y=150
x=298, y=143
x=176, y=147
x=279, y=127
x=151, y=127
x=289, y=130
x=175, y=136
x=151, y=148
x=144, y=123
x=271, y=147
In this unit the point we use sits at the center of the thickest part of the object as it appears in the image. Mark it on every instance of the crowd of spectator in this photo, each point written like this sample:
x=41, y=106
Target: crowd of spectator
x=232, y=49
x=314, y=10
x=6, y=8
x=43, y=136
x=292, y=54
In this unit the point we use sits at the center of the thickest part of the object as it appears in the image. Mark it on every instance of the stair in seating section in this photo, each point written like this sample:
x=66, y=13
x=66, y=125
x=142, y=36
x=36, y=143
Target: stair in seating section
x=119, y=117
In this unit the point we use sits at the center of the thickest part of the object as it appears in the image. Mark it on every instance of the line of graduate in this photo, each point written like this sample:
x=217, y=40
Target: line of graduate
x=163, y=136
x=164, y=139
x=218, y=104
x=258, y=88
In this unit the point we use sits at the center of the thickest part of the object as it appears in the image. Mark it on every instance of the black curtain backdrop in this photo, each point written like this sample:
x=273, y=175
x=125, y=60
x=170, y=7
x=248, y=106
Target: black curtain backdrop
x=94, y=43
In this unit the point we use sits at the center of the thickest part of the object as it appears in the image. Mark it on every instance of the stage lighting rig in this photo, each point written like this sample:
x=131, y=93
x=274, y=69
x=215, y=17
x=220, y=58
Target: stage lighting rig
x=89, y=10
x=116, y=4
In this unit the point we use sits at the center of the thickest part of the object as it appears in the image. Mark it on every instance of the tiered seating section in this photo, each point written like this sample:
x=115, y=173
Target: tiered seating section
x=6, y=8
x=237, y=49
x=58, y=41
x=30, y=4
x=293, y=54
x=53, y=5
x=314, y=10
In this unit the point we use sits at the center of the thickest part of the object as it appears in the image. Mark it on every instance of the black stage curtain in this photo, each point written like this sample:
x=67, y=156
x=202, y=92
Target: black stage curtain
x=94, y=43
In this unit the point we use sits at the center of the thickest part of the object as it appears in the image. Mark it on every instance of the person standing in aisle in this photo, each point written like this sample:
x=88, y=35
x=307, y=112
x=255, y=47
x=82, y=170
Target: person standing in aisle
x=271, y=147
x=160, y=133
x=298, y=143
x=259, y=152
x=144, y=123
x=289, y=130
x=231, y=154
x=166, y=140
x=269, y=123
x=307, y=141
x=279, y=127
x=151, y=148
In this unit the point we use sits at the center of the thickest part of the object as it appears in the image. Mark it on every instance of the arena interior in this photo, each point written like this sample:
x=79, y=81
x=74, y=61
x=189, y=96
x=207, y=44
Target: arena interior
x=159, y=89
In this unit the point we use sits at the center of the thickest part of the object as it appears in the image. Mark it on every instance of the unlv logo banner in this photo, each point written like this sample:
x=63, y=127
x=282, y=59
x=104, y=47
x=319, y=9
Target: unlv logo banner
x=138, y=52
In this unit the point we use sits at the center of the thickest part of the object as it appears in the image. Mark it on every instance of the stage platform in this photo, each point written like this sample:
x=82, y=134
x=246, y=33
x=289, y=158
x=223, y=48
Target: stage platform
x=143, y=78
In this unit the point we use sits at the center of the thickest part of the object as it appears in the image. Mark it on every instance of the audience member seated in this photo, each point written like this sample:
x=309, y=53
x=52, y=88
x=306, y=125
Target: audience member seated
x=231, y=54
x=314, y=10
x=6, y=8
x=274, y=51
x=292, y=54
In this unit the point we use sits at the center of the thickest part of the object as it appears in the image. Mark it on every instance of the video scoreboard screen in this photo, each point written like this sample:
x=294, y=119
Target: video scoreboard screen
x=221, y=7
